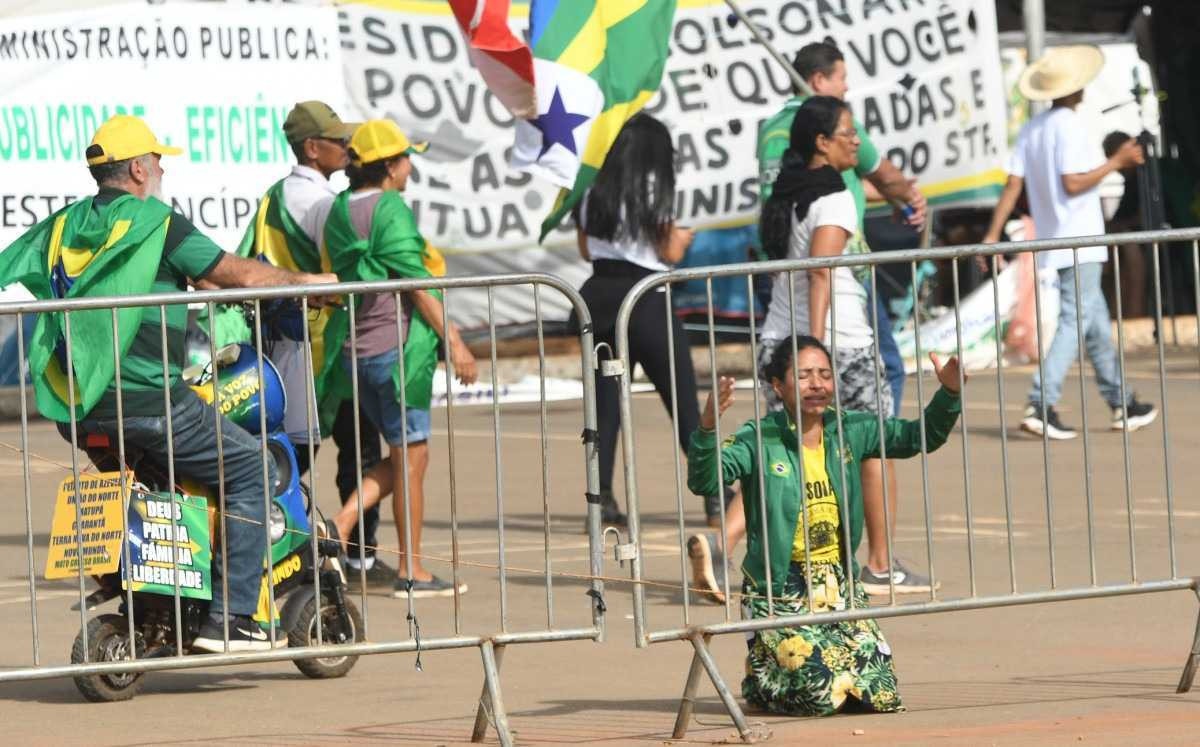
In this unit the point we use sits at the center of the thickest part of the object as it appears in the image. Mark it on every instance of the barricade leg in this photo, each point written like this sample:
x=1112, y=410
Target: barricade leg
x=688, y=701
x=700, y=643
x=1189, y=667
x=494, y=702
x=485, y=701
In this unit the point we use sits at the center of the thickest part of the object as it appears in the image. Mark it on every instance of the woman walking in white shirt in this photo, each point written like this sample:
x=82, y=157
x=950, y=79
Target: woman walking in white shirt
x=627, y=230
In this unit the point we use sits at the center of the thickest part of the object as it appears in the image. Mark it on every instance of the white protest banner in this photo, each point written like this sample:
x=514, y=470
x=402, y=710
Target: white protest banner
x=925, y=82
x=217, y=84
x=975, y=322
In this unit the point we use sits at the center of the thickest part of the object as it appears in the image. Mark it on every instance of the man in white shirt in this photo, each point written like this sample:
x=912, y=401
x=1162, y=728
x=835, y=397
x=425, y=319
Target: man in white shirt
x=1060, y=170
x=296, y=207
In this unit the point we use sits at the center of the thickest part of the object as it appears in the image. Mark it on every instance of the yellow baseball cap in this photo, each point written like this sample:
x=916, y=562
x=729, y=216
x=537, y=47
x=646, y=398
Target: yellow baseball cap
x=378, y=139
x=125, y=136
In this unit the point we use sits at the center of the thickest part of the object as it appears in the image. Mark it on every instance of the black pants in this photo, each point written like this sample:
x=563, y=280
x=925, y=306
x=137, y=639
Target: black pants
x=347, y=469
x=604, y=292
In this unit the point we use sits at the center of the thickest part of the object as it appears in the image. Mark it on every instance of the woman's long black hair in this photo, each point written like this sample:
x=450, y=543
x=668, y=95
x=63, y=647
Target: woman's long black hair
x=818, y=115
x=633, y=196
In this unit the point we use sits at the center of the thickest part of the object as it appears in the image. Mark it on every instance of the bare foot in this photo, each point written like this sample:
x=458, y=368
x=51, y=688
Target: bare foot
x=343, y=535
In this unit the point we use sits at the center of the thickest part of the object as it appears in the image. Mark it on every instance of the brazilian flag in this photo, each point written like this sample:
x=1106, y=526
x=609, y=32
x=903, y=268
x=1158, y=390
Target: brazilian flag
x=276, y=236
x=596, y=64
x=394, y=249
x=78, y=252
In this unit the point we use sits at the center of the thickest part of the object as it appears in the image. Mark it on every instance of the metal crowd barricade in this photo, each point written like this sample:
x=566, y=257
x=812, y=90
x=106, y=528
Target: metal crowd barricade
x=691, y=624
x=128, y=662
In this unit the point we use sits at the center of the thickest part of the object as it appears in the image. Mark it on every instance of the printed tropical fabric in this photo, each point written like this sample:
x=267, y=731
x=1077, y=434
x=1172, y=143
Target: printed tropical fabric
x=818, y=670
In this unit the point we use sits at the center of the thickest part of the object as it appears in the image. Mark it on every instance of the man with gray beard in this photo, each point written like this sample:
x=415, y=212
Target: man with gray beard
x=125, y=241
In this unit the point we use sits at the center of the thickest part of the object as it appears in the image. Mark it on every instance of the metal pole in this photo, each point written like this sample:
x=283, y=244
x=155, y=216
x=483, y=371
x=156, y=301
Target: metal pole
x=356, y=405
x=455, y=567
x=491, y=678
x=1033, y=13
x=687, y=701
x=483, y=713
x=797, y=81
x=544, y=422
x=700, y=644
x=668, y=309
x=22, y=363
x=491, y=307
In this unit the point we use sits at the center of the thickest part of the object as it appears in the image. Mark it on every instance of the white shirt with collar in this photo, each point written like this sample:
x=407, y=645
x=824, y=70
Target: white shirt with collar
x=308, y=196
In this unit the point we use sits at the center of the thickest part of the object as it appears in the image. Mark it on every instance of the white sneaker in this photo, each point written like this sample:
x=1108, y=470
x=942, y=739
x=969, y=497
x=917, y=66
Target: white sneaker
x=1052, y=426
x=1134, y=417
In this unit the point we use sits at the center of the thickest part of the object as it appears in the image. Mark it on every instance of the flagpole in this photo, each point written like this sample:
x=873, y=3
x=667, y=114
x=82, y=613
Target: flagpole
x=800, y=84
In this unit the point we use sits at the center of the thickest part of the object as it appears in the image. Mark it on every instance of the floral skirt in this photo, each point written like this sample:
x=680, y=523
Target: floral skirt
x=818, y=670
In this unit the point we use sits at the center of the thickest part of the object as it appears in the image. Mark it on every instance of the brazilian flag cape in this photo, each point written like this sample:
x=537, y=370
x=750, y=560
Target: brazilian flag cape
x=275, y=235
x=78, y=252
x=394, y=249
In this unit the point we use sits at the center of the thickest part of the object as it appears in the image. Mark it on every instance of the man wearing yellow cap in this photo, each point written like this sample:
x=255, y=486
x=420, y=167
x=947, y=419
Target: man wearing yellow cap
x=1060, y=168
x=372, y=235
x=126, y=241
x=287, y=232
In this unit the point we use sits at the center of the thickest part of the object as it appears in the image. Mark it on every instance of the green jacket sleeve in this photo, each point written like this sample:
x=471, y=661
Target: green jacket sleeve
x=903, y=437
x=737, y=459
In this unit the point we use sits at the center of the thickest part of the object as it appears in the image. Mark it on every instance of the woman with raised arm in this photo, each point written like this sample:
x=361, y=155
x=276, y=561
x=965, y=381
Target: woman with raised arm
x=811, y=670
x=812, y=214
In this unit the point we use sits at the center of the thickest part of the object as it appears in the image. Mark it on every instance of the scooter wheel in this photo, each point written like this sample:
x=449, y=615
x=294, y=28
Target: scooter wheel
x=333, y=632
x=107, y=640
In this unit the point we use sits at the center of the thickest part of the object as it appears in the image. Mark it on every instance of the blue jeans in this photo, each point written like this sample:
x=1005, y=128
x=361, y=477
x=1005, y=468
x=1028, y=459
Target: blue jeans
x=1097, y=338
x=377, y=400
x=889, y=351
x=194, y=434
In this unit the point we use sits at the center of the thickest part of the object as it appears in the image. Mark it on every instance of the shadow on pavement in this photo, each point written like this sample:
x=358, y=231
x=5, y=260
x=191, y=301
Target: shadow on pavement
x=156, y=683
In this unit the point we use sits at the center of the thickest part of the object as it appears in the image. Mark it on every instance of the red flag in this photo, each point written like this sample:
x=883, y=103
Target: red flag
x=504, y=61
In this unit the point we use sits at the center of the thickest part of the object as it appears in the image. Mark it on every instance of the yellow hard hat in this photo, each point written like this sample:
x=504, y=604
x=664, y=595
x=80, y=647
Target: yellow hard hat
x=125, y=136
x=378, y=139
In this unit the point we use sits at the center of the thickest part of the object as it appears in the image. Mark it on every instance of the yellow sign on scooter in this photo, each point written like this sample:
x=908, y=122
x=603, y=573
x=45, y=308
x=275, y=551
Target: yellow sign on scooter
x=99, y=521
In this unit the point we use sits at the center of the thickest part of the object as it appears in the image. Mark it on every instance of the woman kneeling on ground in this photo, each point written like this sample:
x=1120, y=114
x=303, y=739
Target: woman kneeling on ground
x=812, y=670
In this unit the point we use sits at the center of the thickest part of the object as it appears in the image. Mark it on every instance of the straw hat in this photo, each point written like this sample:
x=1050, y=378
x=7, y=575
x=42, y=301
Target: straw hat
x=1060, y=72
